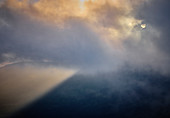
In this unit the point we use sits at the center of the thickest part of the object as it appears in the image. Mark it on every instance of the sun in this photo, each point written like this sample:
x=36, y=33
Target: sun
x=143, y=26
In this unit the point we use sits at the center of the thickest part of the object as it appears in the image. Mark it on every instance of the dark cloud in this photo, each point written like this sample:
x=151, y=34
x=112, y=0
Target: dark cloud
x=156, y=13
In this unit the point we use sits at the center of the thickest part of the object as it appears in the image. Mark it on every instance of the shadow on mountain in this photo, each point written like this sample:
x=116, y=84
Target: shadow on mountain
x=122, y=94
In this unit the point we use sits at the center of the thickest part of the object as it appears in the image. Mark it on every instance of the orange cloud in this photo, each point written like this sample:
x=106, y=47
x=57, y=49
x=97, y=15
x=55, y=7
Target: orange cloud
x=55, y=11
x=111, y=19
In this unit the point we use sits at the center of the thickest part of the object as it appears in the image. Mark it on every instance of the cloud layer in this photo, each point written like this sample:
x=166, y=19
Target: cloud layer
x=92, y=34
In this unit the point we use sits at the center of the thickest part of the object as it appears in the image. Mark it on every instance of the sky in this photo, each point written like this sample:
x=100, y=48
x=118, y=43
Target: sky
x=85, y=35
x=98, y=33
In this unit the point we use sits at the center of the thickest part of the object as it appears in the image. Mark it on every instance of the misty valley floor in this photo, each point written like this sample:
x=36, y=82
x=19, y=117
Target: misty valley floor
x=122, y=94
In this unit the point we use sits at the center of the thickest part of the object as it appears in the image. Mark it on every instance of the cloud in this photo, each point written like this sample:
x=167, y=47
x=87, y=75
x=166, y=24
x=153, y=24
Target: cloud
x=54, y=11
x=160, y=28
x=97, y=34
x=29, y=39
x=159, y=20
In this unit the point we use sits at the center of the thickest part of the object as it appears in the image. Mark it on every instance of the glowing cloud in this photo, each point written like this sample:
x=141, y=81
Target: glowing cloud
x=101, y=15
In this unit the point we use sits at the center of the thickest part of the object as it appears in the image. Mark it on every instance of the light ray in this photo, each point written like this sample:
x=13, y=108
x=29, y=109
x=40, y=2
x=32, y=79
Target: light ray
x=21, y=85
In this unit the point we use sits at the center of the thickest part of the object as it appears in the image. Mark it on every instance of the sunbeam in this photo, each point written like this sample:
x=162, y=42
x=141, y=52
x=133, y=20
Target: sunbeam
x=18, y=90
